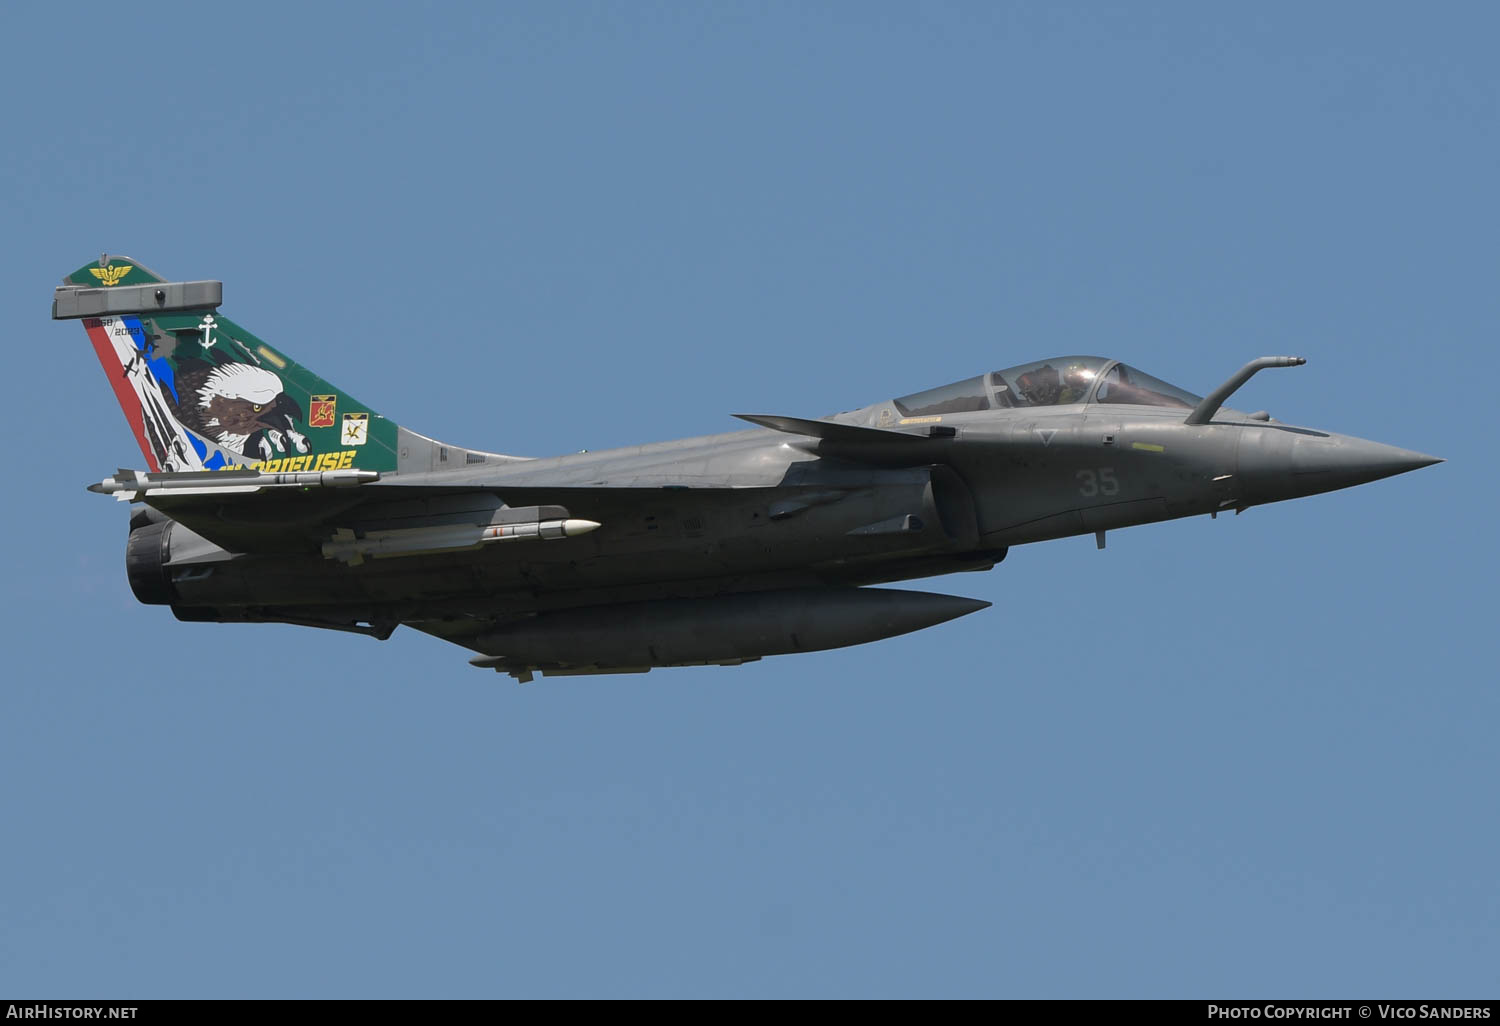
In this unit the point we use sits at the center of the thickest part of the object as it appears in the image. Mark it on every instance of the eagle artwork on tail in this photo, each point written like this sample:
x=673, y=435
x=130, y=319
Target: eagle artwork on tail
x=240, y=406
x=189, y=401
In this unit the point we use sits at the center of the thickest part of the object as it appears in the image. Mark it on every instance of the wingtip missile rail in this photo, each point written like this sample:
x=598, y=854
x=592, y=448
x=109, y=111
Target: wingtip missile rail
x=130, y=485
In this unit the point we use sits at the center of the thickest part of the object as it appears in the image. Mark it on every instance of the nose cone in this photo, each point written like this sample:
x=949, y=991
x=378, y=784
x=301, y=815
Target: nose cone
x=1340, y=461
x=1287, y=463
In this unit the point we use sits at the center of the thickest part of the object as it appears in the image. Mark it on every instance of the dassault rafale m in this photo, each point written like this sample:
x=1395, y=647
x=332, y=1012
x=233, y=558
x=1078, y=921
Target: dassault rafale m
x=271, y=496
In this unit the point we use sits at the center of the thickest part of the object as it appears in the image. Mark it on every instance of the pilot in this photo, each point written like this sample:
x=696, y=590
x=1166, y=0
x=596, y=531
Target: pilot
x=1076, y=380
x=1040, y=387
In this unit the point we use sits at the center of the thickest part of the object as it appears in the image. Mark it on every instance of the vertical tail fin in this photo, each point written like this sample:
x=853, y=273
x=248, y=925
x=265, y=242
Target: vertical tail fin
x=202, y=393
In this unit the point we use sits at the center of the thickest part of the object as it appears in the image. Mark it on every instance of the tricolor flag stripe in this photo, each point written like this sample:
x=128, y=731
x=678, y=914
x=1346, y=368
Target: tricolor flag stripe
x=114, y=359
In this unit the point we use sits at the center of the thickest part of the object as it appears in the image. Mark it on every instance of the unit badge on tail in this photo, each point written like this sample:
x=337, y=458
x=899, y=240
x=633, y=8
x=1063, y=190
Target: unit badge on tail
x=110, y=275
x=321, y=409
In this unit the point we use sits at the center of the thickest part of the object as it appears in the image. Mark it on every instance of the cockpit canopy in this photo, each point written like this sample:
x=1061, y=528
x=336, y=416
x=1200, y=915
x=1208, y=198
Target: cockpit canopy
x=1055, y=382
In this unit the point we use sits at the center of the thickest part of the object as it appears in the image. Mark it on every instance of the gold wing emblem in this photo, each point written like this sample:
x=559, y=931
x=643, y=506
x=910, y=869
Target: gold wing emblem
x=110, y=275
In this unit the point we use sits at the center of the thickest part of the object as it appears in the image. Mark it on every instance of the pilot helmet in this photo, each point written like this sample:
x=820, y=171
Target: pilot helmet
x=1041, y=386
x=1077, y=375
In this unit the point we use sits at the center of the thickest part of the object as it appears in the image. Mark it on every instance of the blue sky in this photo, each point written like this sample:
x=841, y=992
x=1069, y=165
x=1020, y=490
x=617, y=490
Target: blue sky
x=1251, y=756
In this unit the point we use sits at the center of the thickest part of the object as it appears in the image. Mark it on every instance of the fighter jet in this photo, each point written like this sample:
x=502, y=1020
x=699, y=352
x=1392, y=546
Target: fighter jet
x=271, y=495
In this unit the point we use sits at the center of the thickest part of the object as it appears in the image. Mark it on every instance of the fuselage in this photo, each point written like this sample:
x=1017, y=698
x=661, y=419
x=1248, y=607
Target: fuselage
x=762, y=509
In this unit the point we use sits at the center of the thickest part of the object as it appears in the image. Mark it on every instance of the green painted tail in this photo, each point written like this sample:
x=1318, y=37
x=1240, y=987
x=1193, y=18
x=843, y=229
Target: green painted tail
x=202, y=393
